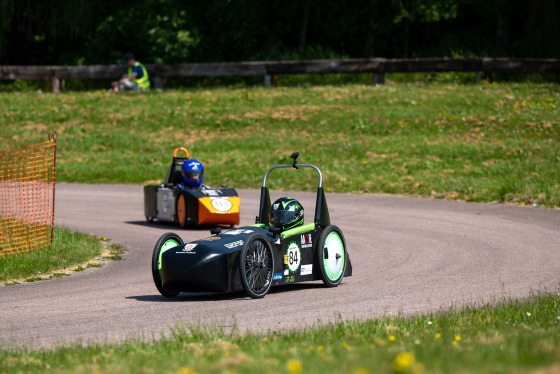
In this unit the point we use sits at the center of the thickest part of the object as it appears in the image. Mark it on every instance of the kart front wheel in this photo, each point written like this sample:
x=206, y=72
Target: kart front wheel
x=332, y=256
x=166, y=241
x=181, y=210
x=256, y=265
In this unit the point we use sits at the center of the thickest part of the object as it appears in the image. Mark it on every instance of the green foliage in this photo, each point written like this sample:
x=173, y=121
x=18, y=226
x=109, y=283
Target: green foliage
x=161, y=33
x=84, y=32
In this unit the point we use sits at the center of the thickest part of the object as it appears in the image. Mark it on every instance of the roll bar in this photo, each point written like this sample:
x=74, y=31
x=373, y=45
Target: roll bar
x=321, y=210
x=291, y=166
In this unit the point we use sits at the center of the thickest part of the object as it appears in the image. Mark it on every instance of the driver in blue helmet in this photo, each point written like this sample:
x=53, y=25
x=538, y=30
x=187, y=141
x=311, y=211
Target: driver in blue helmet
x=192, y=173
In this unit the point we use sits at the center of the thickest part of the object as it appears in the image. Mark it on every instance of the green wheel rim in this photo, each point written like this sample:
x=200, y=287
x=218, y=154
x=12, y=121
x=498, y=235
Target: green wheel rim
x=336, y=257
x=169, y=243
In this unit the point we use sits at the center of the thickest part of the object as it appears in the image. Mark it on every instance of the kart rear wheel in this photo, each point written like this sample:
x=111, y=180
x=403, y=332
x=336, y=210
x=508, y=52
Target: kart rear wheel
x=165, y=242
x=257, y=266
x=332, y=256
x=181, y=210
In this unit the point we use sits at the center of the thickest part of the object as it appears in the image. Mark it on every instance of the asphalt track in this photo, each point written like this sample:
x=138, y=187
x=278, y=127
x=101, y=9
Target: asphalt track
x=410, y=255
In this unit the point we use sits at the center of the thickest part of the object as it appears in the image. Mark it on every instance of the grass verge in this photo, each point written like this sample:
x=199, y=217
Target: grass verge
x=513, y=336
x=70, y=251
x=489, y=142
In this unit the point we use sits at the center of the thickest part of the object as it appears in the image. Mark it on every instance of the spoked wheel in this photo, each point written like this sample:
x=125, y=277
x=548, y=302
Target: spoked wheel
x=257, y=266
x=332, y=256
x=166, y=241
x=181, y=210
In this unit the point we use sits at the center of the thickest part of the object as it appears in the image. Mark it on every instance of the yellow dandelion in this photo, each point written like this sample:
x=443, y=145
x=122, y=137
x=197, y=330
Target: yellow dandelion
x=311, y=348
x=294, y=366
x=320, y=348
x=345, y=345
x=186, y=371
x=455, y=343
x=361, y=370
x=392, y=338
x=403, y=361
x=457, y=338
x=438, y=336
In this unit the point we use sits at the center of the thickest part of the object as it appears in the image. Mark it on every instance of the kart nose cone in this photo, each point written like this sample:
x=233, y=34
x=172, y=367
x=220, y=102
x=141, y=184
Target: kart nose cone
x=195, y=270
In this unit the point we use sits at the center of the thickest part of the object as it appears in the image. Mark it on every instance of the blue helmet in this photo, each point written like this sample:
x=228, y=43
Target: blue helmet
x=192, y=172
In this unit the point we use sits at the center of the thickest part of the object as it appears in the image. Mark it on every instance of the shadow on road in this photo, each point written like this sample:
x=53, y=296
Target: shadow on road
x=238, y=295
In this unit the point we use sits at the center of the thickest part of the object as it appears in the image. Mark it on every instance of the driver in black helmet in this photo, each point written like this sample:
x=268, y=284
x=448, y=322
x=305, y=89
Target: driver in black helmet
x=286, y=213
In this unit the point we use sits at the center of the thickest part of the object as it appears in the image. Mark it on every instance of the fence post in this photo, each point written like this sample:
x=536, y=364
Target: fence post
x=483, y=75
x=158, y=83
x=270, y=80
x=378, y=79
x=55, y=85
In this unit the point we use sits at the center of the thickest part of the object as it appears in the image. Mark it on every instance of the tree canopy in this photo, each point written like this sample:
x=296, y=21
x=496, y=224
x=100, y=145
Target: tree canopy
x=70, y=32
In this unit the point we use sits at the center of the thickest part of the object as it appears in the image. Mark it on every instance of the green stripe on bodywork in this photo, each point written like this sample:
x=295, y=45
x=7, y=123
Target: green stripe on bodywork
x=298, y=230
x=261, y=225
x=169, y=243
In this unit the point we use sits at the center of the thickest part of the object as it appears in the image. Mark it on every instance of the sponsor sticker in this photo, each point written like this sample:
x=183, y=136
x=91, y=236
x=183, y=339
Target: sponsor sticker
x=237, y=232
x=234, y=244
x=211, y=238
x=294, y=257
x=290, y=279
x=306, y=241
x=306, y=269
x=187, y=249
x=164, y=203
x=222, y=204
x=277, y=276
x=212, y=192
x=286, y=272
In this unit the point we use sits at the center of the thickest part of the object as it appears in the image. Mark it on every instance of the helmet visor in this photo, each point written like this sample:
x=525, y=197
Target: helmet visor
x=279, y=218
x=194, y=175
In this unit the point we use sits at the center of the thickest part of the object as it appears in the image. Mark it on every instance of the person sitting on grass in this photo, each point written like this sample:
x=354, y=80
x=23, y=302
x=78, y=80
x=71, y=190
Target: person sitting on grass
x=135, y=79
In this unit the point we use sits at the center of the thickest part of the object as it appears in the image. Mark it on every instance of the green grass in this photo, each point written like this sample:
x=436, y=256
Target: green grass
x=472, y=142
x=69, y=249
x=514, y=336
x=489, y=142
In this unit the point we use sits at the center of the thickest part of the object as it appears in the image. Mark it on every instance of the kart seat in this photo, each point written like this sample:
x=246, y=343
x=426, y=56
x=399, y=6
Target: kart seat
x=176, y=178
x=174, y=174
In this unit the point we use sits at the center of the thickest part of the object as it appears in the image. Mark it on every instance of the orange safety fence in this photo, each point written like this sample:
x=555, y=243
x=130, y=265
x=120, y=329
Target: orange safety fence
x=27, y=182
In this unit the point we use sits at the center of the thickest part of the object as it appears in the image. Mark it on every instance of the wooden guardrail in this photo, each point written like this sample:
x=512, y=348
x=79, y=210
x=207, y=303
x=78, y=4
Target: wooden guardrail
x=271, y=69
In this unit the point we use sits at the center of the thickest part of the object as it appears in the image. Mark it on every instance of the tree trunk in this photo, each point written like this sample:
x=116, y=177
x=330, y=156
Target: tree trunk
x=406, y=30
x=501, y=33
x=370, y=45
x=304, y=23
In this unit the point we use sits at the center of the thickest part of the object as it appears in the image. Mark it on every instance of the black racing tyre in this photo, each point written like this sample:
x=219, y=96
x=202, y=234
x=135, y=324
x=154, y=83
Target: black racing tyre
x=181, y=210
x=256, y=266
x=165, y=242
x=332, y=256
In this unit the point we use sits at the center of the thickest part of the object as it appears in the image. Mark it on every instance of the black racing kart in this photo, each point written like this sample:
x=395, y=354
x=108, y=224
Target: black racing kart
x=254, y=258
